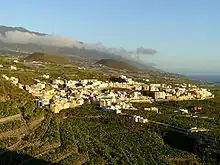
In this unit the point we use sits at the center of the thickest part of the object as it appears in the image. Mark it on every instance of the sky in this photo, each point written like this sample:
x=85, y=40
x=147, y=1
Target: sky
x=185, y=33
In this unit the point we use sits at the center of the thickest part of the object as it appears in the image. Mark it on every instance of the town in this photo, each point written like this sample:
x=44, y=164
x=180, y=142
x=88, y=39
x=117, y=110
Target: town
x=68, y=93
x=114, y=95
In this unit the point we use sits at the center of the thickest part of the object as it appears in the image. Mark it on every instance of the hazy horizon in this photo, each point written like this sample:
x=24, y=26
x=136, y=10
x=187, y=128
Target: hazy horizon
x=213, y=78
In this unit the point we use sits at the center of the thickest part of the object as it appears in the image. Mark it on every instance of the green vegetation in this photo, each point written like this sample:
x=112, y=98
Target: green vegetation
x=12, y=99
x=210, y=109
x=50, y=58
x=164, y=78
x=27, y=73
x=73, y=159
x=38, y=133
x=74, y=73
x=94, y=137
x=104, y=141
x=109, y=141
x=52, y=133
x=4, y=127
x=50, y=139
x=180, y=121
x=25, y=77
x=10, y=91
x=15, y=101
x=8, y=142
x=8, y=108
x=30, y=112
x=115, y=64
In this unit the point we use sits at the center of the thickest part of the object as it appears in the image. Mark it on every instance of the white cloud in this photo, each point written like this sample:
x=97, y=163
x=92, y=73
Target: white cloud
x=25, y=38
x=59, y=41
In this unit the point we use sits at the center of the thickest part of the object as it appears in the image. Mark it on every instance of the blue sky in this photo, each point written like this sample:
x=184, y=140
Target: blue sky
x=186, y=33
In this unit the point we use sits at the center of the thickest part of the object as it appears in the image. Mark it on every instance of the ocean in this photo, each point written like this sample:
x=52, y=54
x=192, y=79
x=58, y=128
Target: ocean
x=212, y=78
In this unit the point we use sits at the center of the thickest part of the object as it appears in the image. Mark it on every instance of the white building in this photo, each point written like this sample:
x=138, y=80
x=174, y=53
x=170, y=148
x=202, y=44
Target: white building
x=136, y=118
x=5, y=77
x=184, y=111
x=160, y=95
x=118, y=111
x=13, y=68
x=46, y=76
x=14, y=80
x=154, y=109
x=58, y=81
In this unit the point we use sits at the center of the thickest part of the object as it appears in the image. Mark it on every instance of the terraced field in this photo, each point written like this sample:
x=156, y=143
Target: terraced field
x=70, y=138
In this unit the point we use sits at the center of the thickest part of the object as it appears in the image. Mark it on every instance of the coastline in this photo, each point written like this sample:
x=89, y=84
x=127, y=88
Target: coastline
x=207, y=78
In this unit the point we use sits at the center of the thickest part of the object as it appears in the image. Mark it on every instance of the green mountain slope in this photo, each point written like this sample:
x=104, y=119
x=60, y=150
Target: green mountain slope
x=44, y=57
x=111, y=63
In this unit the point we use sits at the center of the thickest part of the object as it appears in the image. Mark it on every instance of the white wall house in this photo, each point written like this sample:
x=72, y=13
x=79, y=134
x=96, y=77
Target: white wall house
x=13, y=68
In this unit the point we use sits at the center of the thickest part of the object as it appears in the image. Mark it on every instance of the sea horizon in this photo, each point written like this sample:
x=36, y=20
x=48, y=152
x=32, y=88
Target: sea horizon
x=207, y=77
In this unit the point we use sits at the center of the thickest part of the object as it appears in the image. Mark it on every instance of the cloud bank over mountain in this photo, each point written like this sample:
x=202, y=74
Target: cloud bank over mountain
x=22, y=37
x=25, y=38
x=145, y=51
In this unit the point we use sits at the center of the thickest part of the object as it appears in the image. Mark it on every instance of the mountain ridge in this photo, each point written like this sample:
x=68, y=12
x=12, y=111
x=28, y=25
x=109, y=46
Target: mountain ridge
x=4, y=29
x=37, y=42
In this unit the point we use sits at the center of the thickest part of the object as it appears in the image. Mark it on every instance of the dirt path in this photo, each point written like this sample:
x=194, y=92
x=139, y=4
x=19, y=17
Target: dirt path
x=34, y=123
x=12, y=147
x=47, y=149
x=63, y=157
x=10, y=118
x=14, y=133
x=40, y=154
x=82, y=161
x=22, y=130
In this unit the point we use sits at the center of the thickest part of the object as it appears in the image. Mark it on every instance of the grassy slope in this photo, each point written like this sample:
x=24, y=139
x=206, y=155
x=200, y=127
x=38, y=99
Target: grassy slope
x=12, y=98
x=118, y=65
x=44, y=57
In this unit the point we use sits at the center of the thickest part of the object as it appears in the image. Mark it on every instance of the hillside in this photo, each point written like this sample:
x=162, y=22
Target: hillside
x=77, y=136
x=111, y=63
x=44, y=57
x=85, y=134
x=4, y=29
